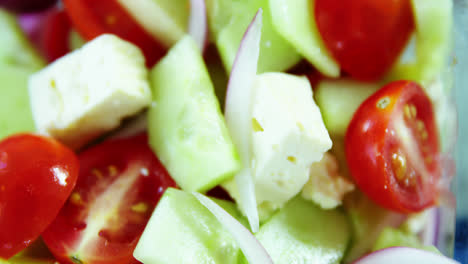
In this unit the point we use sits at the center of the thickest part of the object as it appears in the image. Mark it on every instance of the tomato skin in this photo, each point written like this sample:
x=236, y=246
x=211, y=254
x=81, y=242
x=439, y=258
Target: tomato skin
x=365, y=36
x=92, y=18
x=99, y=223
x=37, y=174
x=56, y=35
x=386, y=132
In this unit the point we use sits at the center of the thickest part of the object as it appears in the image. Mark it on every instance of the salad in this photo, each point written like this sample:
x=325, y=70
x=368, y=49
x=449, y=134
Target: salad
x=220, y=131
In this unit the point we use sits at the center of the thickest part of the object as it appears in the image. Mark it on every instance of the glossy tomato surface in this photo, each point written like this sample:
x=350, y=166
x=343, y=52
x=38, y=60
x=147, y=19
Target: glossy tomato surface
x=56, y=35
x=92, y=18
x=119, y=185
x=392, y=148
x=37, y=174
x=365, y=36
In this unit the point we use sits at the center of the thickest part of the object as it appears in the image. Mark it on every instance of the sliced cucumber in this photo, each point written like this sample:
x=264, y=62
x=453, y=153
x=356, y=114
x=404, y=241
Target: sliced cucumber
x=295, y=21
x=339, y=99
x=219, y=14
x=182, y=230
x=186, y=127
x=303, y=233
x=433, y=42
x=15, y=48
x=276, y=54
x=367, y=221
x=392, y=237
x=15, y=113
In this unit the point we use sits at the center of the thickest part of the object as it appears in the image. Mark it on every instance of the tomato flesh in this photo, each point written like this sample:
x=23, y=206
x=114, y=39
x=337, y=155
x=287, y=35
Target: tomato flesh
x=92, y=18
x=365, y=36
x=37, y=174
x=119, y=185
x=392, y=148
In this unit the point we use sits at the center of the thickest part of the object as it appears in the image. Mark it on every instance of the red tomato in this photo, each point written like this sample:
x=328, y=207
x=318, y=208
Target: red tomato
x=365, y=36
x=56, y=35
x=92, y=18
x=37, y=174
x=119, y=185
x=392, y=148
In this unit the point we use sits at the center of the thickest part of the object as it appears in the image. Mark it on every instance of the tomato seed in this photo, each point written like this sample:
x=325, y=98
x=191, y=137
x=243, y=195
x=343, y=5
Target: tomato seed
x=113, y=171
x=140, y=207
x=399, y=166
x=97, y=173
x=383, y=103
x=75, y=198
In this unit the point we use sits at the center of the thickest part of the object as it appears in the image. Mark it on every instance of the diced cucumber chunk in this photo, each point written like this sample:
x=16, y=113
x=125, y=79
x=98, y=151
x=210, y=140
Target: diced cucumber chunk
x=15, y=113
x=367, y=221
x=295, y=21
x=303, y=233
x=276, y=54
x=219, y=14
x=433, y=42
x=339, y=99
x=391, y=237
x=182, y=230
x=186, y=127
x=15, y=48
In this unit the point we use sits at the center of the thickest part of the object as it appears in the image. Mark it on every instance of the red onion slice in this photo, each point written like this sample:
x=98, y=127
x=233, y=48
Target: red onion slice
x=238, y=114
x=32, y=24
x=250, y=246
x=198, y=24
x=404, y=255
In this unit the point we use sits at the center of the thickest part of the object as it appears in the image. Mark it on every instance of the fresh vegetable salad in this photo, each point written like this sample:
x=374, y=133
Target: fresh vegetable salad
x=221, y=131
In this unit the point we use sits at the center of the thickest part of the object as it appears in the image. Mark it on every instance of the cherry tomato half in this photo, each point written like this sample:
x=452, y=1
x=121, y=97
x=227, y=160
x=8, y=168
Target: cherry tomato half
x=365, y=36
x=92, y=18
x=119, y=185
x=392, y=148
x=37, y=174
x=56, y=35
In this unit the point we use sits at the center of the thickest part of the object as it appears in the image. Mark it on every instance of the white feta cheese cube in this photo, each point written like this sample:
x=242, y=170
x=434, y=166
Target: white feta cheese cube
x=89, y=91
x=326, y=187
x=288, y=136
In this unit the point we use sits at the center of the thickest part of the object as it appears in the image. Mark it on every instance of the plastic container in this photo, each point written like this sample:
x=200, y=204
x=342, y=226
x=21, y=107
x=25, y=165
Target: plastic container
x=461, y=153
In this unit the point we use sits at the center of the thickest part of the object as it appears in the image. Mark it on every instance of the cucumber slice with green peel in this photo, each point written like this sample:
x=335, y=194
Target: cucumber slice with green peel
x=295, y=21
x=182, y=230
x=392, y=237
x=433, y=42
x=367, y=221
x=186, y=127
x=276, y=54
x=15, y=48
x=301, y=232
x=15, y=113
x=219, y=14
x=339, y=99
